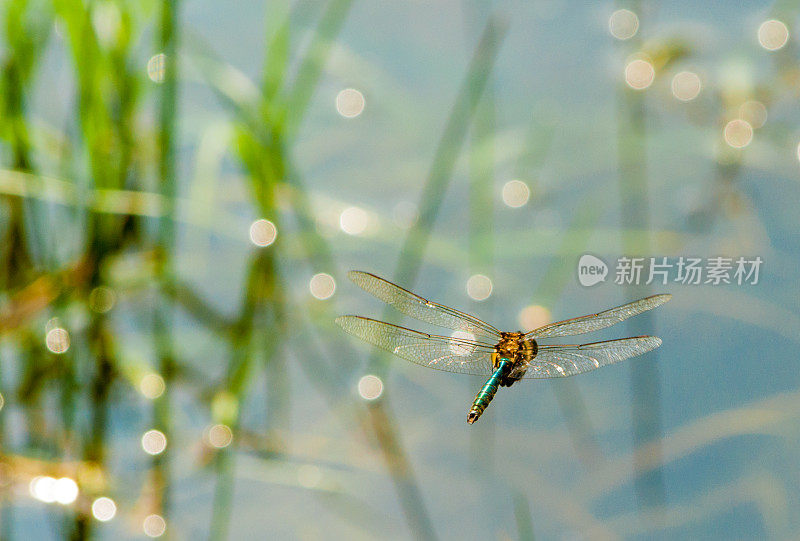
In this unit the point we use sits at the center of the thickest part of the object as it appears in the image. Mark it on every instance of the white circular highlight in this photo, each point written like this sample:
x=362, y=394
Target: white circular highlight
x=515, y=193
x=263, y=232
x=152, y=386
x=773, y=34
x=479, y=287
x=43, y=488
x=322, y=286
x=639, y=74
x=104, y=509
x=154, y=442
x=57, y=340
x=65, y=491
x=350, y=103
x=154, y=526
x=686, y=85
x=738, y=133
x=623, y=24
x=220, y=436
x=353, y=220
x=370, y=387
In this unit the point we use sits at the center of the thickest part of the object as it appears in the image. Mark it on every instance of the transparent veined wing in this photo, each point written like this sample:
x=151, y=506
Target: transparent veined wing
x=420, y=308
x=439, y=352
x=562, y=361
x=595, y=322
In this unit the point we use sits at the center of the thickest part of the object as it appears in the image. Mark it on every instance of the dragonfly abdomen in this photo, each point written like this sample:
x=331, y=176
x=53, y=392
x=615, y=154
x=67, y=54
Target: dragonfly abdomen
x=489, y=389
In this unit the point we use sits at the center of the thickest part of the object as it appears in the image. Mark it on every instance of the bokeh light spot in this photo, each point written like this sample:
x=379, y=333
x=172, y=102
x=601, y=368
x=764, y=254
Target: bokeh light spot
x=353, y=220
x=102, y=299
x=65, y=491
x=263, y=232
x=57, y=340
x=773, y=34
x=738, y=133
x=533, y=316
x=686, y=85
x=104, y=509
x=515, y=193
x=623, y=24
x=156, y=67
x=370, y=387
x=479, y=287
x=154, y=442
x=462, y=349
x=152, y=386
x=154, y=526
x=350, y=103
x=322, y=286
x=43, y=488
x=49, y=490
x=220, y=436
x=754, y=112
x=639, y=74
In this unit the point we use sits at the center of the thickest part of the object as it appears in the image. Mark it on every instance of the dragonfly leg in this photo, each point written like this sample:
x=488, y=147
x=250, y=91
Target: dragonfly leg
x=487, y=392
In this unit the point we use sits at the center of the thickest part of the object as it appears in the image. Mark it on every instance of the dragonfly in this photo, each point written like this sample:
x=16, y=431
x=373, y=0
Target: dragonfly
x=476, y=347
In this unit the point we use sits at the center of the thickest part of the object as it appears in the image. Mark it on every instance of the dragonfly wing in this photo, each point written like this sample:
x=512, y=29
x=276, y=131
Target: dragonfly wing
x=595, y=322
x=439, y=352
x=420, y=308
x=562, y=361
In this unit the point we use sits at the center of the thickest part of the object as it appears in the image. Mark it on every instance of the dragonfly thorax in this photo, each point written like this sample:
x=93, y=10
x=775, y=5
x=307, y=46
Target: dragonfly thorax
x=519, y=351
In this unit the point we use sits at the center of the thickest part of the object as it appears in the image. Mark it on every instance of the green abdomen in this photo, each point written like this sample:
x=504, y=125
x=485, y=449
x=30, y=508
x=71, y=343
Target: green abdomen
x=488, y=391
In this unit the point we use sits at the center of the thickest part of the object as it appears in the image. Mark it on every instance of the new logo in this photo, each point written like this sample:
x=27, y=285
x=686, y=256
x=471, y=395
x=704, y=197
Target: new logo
x=591, y=270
